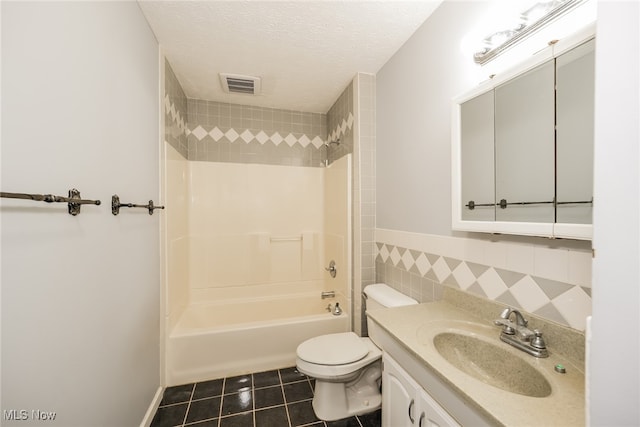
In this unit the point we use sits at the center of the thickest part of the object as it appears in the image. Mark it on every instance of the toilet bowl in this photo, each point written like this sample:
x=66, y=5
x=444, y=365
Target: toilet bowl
x=347, y=368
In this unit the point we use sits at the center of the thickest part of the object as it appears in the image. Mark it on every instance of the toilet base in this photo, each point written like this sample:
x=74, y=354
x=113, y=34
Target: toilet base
x=333, y=401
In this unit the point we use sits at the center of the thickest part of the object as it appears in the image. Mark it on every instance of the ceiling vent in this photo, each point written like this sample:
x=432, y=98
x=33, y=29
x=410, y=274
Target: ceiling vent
x=236, y=83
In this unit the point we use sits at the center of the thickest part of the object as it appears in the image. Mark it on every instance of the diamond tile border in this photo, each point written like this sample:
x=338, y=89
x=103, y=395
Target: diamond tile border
x=171, y=110
x=556, y=301
x=174, y=104
x=207, y=123
x=247, y=135
x=340, y=130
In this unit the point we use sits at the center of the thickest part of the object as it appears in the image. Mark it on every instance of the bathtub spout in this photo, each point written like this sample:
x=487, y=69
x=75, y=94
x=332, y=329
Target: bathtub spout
x=328, y=294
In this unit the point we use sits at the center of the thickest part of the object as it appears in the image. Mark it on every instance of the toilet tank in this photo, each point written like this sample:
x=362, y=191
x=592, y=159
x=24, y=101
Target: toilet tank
x=379, y=296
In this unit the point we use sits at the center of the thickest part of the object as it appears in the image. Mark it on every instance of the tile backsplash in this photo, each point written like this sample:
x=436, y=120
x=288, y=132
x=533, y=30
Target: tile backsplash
x=554, y=284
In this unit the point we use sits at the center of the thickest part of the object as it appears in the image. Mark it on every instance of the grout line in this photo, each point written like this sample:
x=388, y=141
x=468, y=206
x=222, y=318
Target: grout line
x=198, y=422
x=299, y=401
x=173, y=404
x=193, y=390
x=253, y=399
x=270, y=407
x=205, y=398
x=284, y=398
x=267, y=386
x=224, y=384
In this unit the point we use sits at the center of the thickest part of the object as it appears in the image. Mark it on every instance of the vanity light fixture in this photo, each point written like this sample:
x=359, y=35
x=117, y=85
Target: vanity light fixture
x=529, y=21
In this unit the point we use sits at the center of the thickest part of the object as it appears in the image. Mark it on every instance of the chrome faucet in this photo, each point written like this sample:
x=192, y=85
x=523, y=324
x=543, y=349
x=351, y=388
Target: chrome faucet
x=518, y=335
x=520, y=326
x=328, y=294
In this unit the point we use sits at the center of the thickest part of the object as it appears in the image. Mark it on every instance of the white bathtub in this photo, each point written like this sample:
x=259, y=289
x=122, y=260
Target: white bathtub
x=215, y=340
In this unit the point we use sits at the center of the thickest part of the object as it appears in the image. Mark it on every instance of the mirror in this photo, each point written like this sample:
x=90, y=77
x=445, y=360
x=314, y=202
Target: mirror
x=523, y=147
x=478, y=158
x=575, y=76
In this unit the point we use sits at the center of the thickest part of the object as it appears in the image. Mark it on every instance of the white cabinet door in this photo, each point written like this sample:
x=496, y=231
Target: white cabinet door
x=405, y=403
x=431, y=413
x=398, y=396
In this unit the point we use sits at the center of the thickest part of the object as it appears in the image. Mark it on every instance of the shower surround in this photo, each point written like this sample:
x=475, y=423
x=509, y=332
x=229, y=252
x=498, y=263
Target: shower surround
x=255, y=216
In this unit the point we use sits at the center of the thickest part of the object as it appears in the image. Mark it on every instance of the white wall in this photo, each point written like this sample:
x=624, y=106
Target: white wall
x=413, y=160
x=615, y=355
x=80, y=295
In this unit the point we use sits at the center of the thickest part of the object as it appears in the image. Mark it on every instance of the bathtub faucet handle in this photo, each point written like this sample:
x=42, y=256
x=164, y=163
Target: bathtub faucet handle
x=337, y=311
x=332, y=269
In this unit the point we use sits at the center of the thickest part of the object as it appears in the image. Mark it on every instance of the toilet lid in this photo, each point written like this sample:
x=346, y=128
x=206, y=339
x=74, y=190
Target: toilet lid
x=333, y=349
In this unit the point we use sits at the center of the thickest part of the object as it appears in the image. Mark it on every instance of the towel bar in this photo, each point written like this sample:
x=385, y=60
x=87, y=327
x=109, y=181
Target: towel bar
x=73, y=201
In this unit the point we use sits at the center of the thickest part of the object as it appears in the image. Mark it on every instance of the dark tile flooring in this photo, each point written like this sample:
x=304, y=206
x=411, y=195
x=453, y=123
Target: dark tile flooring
x=278, y=398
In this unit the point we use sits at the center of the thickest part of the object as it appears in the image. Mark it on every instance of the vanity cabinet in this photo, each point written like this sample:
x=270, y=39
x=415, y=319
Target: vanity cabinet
x=522, y=146
x=405, y=403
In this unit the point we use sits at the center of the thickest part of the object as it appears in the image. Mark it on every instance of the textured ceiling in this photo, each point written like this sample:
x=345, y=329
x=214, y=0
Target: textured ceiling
x=306, y=52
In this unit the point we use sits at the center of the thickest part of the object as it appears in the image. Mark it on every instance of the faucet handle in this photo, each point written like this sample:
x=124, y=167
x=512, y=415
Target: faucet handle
x=524, y=333
x=507, y=325
x=537, y=341
x=337, y=311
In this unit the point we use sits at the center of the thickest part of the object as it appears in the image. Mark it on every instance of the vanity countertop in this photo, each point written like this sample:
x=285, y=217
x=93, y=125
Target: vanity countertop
x=563, y=407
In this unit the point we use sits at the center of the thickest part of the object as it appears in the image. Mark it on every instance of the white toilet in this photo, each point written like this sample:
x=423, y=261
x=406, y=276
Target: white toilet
x=346, y=367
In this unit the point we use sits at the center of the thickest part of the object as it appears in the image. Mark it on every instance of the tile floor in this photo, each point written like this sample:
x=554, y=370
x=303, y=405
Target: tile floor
x=278, y=398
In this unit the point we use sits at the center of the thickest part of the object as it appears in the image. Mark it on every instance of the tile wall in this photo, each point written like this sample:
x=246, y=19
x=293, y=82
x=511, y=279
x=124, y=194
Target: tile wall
x=554, y=284
x=364, y=192
x=221, y=132
x=212, y=131
x=340, y=123
x=175, y=110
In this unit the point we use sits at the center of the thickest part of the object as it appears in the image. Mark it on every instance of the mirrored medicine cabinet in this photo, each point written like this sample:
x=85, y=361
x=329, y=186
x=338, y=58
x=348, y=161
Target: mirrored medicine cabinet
x=522, y=146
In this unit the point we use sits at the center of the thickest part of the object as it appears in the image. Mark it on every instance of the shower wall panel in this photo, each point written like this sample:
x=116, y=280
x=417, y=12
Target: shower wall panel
x=255, y=224
x=337, y=226
x=177, y=233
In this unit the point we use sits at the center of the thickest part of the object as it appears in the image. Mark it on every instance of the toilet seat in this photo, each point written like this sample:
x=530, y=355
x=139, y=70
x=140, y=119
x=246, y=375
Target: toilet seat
x=335, y=372
x=333, y=349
